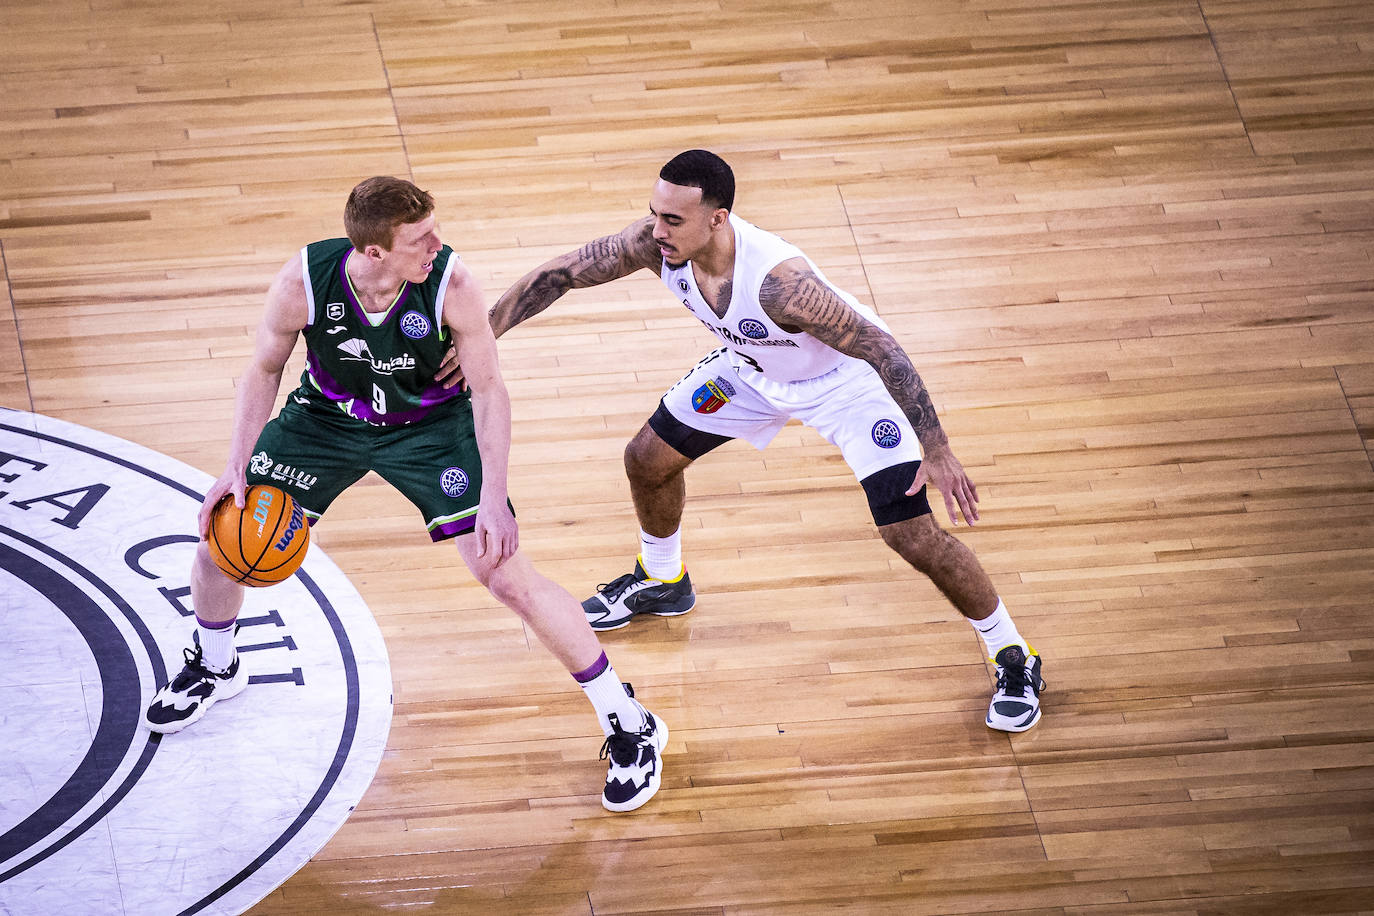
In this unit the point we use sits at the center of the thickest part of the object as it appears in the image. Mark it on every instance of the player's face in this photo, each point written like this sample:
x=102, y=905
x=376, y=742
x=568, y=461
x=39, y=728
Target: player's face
x=413, y=247
x=682, y=223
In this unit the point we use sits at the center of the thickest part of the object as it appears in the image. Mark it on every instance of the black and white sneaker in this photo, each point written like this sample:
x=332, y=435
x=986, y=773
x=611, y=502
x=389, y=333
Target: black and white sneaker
x=636, y=768
x=1015, y=704
x=634, y=593
x=192, y=692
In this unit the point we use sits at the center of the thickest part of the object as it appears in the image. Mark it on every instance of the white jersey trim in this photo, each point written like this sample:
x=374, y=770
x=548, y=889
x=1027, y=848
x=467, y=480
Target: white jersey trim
x=309, y=292
x=453, y=259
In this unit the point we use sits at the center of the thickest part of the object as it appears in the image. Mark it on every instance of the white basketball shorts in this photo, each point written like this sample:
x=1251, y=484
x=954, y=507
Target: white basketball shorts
x=849, y=406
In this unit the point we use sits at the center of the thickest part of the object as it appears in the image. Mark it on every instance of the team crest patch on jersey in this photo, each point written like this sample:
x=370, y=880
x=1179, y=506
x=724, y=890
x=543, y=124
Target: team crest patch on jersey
x=454, y=481
x=682, y=285
x=415, y=325
x=886, y=434
x=334, y=311
x=712, y=396
x=753, y=329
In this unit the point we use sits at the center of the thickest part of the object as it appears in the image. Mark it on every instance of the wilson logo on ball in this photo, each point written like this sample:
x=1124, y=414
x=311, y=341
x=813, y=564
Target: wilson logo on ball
x=296, y=524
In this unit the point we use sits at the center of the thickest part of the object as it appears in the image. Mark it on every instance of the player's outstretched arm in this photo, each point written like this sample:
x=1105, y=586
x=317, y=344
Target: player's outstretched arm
x=282, y=320
x=794, y=297
x=599, y=261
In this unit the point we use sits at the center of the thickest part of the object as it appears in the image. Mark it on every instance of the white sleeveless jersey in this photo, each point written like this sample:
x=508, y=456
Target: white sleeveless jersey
x=754, y=341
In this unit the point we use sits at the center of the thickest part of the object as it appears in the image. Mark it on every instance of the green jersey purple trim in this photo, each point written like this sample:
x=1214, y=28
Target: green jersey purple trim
x=433, y=395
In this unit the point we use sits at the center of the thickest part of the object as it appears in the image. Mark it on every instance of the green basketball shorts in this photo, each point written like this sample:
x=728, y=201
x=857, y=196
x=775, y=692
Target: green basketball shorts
x=315, y=453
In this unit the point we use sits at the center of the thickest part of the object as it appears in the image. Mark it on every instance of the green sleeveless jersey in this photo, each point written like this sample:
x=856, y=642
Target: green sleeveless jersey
x=377, y=368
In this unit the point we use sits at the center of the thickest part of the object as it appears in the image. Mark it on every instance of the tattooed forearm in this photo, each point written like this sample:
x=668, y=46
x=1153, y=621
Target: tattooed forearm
x=798, y=300
x=535, y=292
x=904, y=382
x=599, y=261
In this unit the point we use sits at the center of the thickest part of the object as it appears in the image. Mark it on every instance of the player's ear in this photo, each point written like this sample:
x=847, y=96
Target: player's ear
x=375, y=252
x=719, y=217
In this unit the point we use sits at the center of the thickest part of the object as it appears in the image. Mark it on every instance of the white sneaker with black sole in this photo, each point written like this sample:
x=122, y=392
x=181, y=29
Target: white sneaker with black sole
x=636, y=762
x=191, y=693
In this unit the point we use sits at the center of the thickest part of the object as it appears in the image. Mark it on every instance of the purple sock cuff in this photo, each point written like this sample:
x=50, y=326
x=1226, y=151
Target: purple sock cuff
x=215, y=624
x=593, y=671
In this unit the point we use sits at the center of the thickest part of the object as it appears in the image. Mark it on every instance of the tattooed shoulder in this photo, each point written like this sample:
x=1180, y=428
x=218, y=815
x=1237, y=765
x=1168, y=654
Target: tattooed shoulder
x=794, y=297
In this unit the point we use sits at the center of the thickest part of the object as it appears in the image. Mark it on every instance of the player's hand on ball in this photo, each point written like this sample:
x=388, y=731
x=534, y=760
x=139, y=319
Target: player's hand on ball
x=229, y=482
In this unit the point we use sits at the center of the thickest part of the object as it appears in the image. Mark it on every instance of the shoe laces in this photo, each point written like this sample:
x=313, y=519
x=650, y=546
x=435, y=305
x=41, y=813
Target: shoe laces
x=622, y=746
x=617, y=586
x=1013, y=678
x=195, y=669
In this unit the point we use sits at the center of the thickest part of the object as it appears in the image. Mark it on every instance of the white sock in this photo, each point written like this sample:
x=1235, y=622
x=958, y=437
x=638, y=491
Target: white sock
x=608, y=696
x=998, y=631
x=661, y=557
x=216, y=643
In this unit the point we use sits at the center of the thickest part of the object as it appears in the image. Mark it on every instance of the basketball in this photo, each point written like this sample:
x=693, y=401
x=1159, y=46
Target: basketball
x=262, y=543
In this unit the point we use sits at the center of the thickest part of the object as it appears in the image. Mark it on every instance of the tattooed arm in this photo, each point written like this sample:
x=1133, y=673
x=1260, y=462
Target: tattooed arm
x=794, y=297
x=599, y=261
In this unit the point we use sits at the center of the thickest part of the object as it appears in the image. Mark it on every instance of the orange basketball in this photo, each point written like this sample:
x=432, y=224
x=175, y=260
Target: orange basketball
x=262, y=543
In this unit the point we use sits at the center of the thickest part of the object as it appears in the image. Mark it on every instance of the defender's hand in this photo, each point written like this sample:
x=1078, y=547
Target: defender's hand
x=450, y=373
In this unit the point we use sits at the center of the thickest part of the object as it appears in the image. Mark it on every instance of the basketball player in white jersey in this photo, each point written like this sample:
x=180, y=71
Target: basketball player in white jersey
x=794, y=346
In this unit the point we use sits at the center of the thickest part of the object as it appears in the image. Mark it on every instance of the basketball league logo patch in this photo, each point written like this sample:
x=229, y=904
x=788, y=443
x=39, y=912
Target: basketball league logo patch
x=712, y=396
x=454, y=481
x=753, y=329
x=414, y=325
x=886, y=434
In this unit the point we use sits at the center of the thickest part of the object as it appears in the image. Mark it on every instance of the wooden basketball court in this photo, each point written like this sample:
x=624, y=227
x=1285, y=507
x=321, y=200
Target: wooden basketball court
x=1129, y=246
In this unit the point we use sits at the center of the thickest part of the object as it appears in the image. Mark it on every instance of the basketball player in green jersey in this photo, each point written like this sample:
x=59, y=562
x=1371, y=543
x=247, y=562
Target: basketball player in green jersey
x=379, y=310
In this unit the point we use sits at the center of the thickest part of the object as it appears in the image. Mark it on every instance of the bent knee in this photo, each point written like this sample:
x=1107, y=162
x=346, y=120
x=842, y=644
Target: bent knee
x=920, y=533
x=508, y=587
x=649, y=459
x=639, y=455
